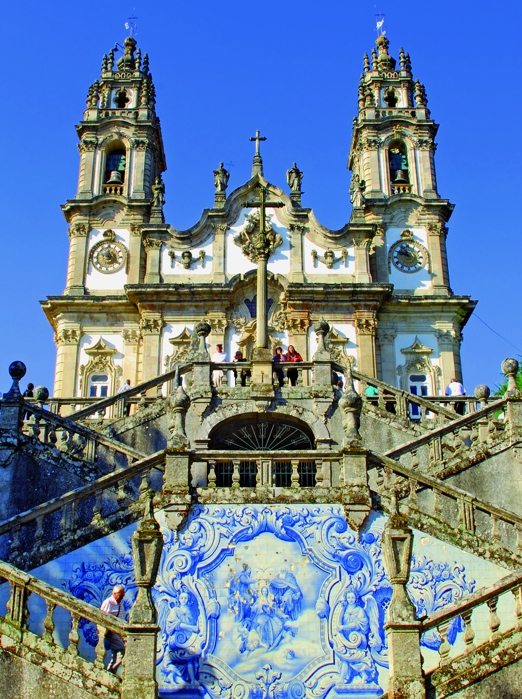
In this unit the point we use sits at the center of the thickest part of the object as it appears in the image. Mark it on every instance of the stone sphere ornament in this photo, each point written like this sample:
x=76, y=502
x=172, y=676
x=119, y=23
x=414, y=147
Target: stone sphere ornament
x=509, y=366
x=41, y=394
x=17, y=370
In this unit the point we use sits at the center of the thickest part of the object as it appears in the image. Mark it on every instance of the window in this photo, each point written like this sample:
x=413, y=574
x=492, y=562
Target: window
x=115, y=166
x=398, y=160
x=99, y=386
x=418, y=384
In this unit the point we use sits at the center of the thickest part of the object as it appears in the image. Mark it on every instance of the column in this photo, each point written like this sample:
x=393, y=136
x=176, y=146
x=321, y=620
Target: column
x=426, y=147
x=437, y=233
x=138, y=175
x=366, y=326
x=151, y=325
x=67, y=339
x=372, y=168
x=77, y=267
x=153, y=248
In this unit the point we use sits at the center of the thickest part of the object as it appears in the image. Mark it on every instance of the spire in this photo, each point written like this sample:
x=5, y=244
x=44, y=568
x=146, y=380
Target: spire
x=384, y=60
x=127, y=61
x=257, y=165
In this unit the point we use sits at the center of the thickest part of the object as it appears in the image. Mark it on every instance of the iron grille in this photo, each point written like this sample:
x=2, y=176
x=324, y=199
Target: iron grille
x=307, y=471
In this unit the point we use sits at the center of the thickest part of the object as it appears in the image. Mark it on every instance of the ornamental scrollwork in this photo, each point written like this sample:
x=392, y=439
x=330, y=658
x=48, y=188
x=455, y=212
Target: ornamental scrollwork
x=131, y=336
x=87, y=146
x=187, y=259
x=253, y=242
x=329, y=258
x=151, y=326
x=366, y=326
x=152, y=243
x=67, y=336
x=78, y=230
x=297, y=326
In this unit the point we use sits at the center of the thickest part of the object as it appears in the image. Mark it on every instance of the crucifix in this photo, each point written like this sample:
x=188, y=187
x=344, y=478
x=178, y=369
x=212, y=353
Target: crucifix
x=257, y=165
x=261, y=245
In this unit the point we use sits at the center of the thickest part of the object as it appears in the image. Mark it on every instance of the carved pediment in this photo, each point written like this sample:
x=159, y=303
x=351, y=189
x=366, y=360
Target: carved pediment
x=417, y=348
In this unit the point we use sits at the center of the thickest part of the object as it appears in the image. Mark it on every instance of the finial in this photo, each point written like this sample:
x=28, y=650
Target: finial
x=374, y=58
x=110, y=61
x=402, y=59
x=145, y=68
x=17, y=371
x=104, y=63
x=360, y=96
x=420, y=94
x=137, y=64
x=257, y=165
x=366, y=63
x=384, y=60
x=127, y=61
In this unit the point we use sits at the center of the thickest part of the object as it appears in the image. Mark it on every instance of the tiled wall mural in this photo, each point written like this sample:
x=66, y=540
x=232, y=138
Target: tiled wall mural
x=258, y=601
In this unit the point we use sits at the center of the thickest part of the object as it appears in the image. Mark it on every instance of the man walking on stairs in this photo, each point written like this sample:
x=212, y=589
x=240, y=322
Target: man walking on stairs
x=114, y=642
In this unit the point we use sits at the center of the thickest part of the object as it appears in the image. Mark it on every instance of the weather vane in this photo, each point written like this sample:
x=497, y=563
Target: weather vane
x=379, y=23
x=131, y=25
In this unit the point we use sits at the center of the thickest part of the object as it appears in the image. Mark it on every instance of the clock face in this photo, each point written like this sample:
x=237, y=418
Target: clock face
x=408, y=256
x=108, y=256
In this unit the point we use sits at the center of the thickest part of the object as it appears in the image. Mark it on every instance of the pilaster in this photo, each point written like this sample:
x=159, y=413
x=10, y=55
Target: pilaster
x=67, y=339
x=449, y=352
x=362, y=258
x=76, y=270
x=218, y=252
x=87, y=149
x=296, y=252
x=135, y=254
x=131, y=339
x=386, y=339
x=153, y=249
x=151, y=326
x=366, y=327
x=437, y=233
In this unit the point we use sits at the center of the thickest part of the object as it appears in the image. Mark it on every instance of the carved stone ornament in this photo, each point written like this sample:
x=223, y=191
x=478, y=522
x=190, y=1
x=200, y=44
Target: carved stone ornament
x=151, y=326
x=278, y=320
x=78, y=230
x=101, y=360
x=87, y=146
x=187, y=259
x=417, y=360
x=183, y=345
x=329, y=258
x=109, y=255
x=152, y=243
x=407, y=254
x=67, y=336
x=136, y=230
x=131, y=336
x=366, y=326
x=297, y=326
x=253, y=243
x=336, y=345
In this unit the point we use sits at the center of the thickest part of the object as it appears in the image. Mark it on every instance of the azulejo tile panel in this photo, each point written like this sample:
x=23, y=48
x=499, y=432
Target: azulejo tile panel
x=261, y=601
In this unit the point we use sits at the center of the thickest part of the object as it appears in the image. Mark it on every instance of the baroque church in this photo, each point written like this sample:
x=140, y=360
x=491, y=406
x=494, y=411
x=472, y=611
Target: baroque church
x=321, y=523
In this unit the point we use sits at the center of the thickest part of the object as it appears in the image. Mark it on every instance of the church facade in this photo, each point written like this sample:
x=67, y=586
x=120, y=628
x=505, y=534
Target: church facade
x=136, y=286
x=328, y=527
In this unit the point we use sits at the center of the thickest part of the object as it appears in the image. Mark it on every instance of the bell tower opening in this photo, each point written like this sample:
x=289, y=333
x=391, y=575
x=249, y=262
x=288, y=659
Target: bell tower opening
x=398, y=162
x=115, y=165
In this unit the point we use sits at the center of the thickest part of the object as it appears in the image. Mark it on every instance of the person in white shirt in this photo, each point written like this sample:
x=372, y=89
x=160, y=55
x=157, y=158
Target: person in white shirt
x=455, y=388
x=122, y=389
x=113, y=605
x=218, y=358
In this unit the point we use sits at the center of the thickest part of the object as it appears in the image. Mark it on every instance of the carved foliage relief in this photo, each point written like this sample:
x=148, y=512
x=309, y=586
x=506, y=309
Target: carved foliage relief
x=288, y=589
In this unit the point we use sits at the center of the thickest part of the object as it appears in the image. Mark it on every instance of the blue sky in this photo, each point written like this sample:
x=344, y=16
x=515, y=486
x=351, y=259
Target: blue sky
x=291, y=69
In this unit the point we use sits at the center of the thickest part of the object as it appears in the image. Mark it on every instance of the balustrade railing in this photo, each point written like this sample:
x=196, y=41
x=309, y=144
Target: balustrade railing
x=282, y=469
x=70, y=437
x=32, y=538
x=464, y=434
x=430, y=502
x=494, y=618
x=69, y=652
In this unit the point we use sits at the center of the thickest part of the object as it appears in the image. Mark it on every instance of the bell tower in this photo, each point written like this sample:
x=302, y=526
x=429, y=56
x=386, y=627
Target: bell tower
x=394, y=187
x=121, y=158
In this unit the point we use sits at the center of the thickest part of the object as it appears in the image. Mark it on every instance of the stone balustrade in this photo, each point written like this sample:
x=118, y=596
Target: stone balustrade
x=447, y=512
x=41, y=534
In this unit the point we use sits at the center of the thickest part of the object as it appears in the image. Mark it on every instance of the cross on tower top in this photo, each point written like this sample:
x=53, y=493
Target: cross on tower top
x=257, y=165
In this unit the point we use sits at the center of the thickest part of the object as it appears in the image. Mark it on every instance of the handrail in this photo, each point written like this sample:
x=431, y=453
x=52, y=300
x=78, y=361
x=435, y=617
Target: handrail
x=253, y=454
x=133, y=391
x=82, y=493
x=445, y=429
x=62, y=599
x=451, y=491
x=471, y=601
x=67, y=423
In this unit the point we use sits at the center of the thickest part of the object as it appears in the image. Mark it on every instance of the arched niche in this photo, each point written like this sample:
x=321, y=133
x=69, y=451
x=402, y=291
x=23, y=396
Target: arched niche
x=262, y=432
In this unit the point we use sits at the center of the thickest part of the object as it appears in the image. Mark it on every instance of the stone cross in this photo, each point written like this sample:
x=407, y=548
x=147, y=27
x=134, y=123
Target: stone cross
x=257, y=166
x=264, y=245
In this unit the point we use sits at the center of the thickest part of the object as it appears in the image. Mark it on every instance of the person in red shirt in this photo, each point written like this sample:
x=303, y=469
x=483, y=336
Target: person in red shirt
x=292, y=356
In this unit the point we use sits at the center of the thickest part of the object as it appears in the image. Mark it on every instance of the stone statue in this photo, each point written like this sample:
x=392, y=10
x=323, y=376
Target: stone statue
x=294, y=177
x=158, y=193
x=221, y=177
x=357, y=188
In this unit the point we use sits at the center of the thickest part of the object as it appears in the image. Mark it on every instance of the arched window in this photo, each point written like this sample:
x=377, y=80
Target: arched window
x=398, y=161
x=390, y=98
x=418, y=384
x=115, y=165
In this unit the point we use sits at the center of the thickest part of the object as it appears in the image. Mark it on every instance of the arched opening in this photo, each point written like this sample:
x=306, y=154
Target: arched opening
x=122, y=99
x=266, y=432
x=390, y=98
x=115, y=164
x=98, y=386
x=398, y=162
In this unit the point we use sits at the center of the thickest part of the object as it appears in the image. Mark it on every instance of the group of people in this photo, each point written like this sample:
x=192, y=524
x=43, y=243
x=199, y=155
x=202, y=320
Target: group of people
x=292, y=355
